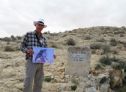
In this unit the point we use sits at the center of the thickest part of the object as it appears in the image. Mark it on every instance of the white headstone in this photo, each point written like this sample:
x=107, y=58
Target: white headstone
x=78, y=61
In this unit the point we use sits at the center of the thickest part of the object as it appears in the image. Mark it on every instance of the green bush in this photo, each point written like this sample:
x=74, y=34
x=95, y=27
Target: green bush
x=47, y=78
x=115, y=59
x=7, y=39
x=118, y=63
x=99, y=66
x=18, y=37
x=116, y=66
x=87, y=37
x=113, y=42
x=95, y=46
x=104, y=47
x=106, y=60
x=122, y=35
x=13, y=38
x=73, y=87
x=75, y=81
x=9, y=48
x=71, y=42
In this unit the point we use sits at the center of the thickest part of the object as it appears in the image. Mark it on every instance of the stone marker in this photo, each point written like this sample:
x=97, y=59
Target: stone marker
x=78, y=61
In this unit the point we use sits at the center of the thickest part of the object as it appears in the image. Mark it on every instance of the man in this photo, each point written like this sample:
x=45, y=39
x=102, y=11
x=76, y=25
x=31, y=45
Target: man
x=34, y=72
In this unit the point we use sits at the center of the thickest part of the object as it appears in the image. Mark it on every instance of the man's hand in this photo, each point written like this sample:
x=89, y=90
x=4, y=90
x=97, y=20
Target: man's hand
x=29, y=52
x=54, y=56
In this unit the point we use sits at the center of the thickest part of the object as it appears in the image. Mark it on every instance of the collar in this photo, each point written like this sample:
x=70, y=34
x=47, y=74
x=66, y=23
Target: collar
x=37, y=35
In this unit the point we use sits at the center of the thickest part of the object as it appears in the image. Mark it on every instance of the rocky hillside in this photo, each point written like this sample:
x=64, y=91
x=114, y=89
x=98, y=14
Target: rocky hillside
x=108, y=60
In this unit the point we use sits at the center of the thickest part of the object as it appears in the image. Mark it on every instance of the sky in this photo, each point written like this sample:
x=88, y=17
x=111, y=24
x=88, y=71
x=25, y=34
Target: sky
x=17, y=16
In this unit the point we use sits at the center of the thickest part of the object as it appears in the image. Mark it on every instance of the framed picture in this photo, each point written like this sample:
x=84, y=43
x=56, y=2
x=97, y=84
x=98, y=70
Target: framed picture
x=43, y=55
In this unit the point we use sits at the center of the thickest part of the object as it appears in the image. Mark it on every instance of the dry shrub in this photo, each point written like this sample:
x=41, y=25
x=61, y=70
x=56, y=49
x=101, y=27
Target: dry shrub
x=71, y=42
x=9, y=48
x=113, y=42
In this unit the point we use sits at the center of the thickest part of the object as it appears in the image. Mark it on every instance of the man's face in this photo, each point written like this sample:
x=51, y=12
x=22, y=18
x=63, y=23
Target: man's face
x=39, y=27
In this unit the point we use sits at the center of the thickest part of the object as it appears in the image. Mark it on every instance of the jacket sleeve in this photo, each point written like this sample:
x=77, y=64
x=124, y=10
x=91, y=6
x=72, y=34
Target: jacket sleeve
x=23, y=46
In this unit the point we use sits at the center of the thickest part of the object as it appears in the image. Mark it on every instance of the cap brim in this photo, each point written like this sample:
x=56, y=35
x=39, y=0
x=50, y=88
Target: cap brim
x=36, y=22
